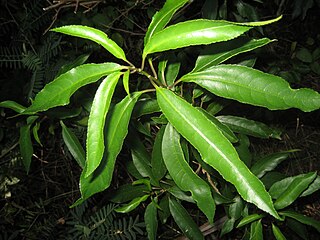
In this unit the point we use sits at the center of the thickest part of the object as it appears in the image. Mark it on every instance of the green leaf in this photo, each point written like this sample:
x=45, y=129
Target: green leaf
x=227, y=227
x=184, y=221
x=313, y=187
x=75, y=63
x=183, y=175
x=97, y=119
x=158, y=167
x=220, y=52
x=127, y=192
x=249, y=127
x=179, y=194
x=73, y=145
x=277, y=233
x=294, y=190
x=242, y=147
x=125, y=81
x=161, y=18
x=26, y=148
x=193, y=32
x=254, y=87
x=256, y=231
x=131, y=205
x=151, y=220
x=249, y=219
x=145, y=106
x=214, y=148
x=35, y=130
x=116, y=129
x=301, y=218
x=304, y=55
x=269, y=162
x=58, y=92
x=13, y=106
x=93, y=35
x=260, y=23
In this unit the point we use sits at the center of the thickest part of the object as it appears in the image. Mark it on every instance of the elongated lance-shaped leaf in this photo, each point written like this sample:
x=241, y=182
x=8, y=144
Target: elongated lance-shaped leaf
x=249, y=219
x=184, y=221
x=161, y=18
x=151, y=220
x=131, y=205
x=294, y=190
x=59, y=91
x=249, y=127
x=183, y=175
x=116, y=130
x=259, y=23
x=94, y=35
x=193, y=32
x=214, y=148
x=158, y=166
x=301, y=218
x=277, y=233
x=254, y=87
x=73, y=145
x=13, y=106
x=220, y=52
x=26, y=148
x=256, y=232
x=97, y=119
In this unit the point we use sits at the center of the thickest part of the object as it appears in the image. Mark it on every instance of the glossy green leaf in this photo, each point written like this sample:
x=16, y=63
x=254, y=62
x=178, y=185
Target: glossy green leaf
x=254, y=87
x=161, y=18
x=26, y=148
x=158, y=166
x=256, y=232
x=125, y=81
x=184, y=221
x=294, y=190
x=313, y=187
x=269, y=162
x=214, y=148
x=277, y=233
x=249, y=219
x=260, y=23
x=151, y=220
x=179, y=194
x=164, y=213
x=193, y=32
x=183, y=175
x=96, y=122
x=58, y=92
x=249, y=127
x=172, y=72
x=35, y=134
x=301, y=218
x=75, y=63
x=116, y=129
x=243, y=150
x=73, y=145
x=93, y=35
x=227, y=227
x=234, y=213
x=278, y=188
x=145, y=106
x=220, y=52
x=13, y=106
x=131, y=205
x=127, y=192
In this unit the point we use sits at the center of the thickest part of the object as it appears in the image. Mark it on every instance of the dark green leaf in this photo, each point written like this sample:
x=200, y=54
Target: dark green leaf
x=35, y=130
x=301, y=218
x=150, y=218
x=73, y=145
x=127, y=192
x=277, y=233
x=184, y=221
x=254, y=87
x=183, y=175
x=58, y=92
x=249, y=219
x=97, y=119
x=145, y=106
x=26, y=148
x=242, y=147
x=158, y=167
x=256, y=231
x=131, y=205
x=214, y=148
x=313, y=187
x=13, y=106
x=77, y=62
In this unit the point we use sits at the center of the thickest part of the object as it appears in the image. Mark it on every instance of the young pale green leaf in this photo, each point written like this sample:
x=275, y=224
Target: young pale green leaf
x=26, y=148
x=96, y=122
x=13, y=106
x=193, y=32
x=278, y=188
x=277, y=233
x=116, y=130
x=58, y=92
x=214, y=148
x=184, y=221
x=220, y=52
x=256, y=232
x=269, y=162
x=183, y=175
x=161, y=18
x=131, y=205
x=73, y=145
x=254, y=87
x=93, y=35
x=151, y=220
x=125, y=81
x=301, y=218
x=249, y=219
x=294, y=190
x=158, y=166
x=260, y=23
x=249, y=127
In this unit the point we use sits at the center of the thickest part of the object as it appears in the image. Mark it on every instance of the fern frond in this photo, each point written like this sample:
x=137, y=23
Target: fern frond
x=10, y=57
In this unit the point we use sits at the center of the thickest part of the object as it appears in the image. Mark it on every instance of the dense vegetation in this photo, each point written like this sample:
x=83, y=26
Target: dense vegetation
x=167, y=122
